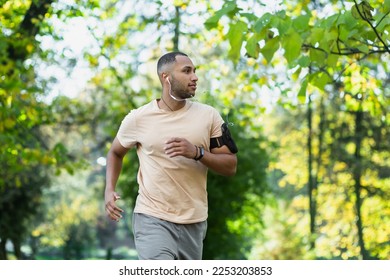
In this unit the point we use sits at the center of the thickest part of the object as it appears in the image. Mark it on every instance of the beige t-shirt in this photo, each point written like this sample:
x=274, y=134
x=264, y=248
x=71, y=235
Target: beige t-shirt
x=172, y=189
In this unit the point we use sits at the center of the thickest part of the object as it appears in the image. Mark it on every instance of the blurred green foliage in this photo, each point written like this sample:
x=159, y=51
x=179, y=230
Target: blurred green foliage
x=294, y=196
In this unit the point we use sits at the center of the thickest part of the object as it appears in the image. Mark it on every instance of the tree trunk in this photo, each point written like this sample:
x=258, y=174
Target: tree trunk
x=311, y=183
x=177, y=29
x=109, y=253
x=357, y=174
x=3, y=250
x=37, y=10
x=28, y=28
x=17, y=249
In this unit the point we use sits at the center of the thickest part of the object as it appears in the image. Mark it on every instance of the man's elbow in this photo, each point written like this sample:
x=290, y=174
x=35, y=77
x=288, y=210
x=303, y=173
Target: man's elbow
x=232, y=169
x=117, y=150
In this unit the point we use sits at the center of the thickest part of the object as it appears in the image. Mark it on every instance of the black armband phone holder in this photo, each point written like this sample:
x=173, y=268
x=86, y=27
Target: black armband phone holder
x=225, y=139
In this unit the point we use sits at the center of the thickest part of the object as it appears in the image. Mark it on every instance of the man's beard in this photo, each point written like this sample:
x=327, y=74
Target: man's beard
x=179, y=93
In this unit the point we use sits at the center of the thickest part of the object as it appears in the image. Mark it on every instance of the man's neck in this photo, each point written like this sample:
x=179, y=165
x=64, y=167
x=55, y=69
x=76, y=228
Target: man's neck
x=169, y=104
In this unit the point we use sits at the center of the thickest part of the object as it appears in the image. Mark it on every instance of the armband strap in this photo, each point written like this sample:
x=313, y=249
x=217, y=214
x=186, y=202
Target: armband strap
x=216, y=142
x=225, y=139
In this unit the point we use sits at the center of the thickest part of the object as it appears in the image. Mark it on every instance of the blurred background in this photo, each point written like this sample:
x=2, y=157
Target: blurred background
x=305, y=85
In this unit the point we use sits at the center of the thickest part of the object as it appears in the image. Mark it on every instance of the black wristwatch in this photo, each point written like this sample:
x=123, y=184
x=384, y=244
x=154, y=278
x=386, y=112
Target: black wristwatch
x=201, y=153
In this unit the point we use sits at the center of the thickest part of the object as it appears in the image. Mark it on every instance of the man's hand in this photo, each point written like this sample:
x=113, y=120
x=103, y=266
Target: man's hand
x=113, y=211
x=180, y=147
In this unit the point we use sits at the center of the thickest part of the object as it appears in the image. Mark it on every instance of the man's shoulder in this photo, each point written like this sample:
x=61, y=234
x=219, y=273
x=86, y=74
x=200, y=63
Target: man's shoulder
x=143, y=108
x=203, y=106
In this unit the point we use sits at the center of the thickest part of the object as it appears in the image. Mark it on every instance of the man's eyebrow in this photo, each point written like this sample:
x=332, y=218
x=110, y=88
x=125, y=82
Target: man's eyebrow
x=188, y=67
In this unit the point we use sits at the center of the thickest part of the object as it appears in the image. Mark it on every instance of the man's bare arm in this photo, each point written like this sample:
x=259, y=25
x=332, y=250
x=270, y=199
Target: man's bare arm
x=221, y=161
x=114, y=166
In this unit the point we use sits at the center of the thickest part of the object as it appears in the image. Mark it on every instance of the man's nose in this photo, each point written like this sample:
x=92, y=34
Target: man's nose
x=194, y=77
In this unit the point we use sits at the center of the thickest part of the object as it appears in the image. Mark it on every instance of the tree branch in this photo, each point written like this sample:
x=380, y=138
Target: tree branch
x=29, y=26
x=373, y=27
x=348, y=51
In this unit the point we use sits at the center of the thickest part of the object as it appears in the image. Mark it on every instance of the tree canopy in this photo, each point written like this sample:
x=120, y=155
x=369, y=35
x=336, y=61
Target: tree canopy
x=305, y=85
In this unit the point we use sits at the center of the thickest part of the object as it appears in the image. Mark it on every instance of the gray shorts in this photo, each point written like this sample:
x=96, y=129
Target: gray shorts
x=156, y=239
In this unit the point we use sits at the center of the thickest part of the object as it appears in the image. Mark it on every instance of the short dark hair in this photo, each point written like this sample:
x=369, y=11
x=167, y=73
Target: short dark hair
x=168, y=58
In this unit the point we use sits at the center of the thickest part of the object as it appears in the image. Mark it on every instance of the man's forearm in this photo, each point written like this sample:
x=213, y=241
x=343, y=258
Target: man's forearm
x=114, y=167
x=221, y=163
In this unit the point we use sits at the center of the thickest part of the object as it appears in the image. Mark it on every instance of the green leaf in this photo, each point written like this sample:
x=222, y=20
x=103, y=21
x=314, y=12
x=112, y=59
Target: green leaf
x=319, y=80
x=332, y=60
x=304, y=61
x=367, y=10
x=384, y=24
x=318, y=56
x=301, y=23
x=296, y=74
x=229, y=7
x=362, y=11
x=302, y=91
x=213, y=21
x=330, y=21
x=331, y=35
x=355, y=12
x=270, y=47
x=282, y=24
x=329, y=40
x=363, y=49
x=316, y=35
x=349, y=20
x=252, y=17
x=263, y=22
x=344, y=32
x=386, y=6
x=236, y=38
x=292, y=44
x=369, y=35
x=252, y=45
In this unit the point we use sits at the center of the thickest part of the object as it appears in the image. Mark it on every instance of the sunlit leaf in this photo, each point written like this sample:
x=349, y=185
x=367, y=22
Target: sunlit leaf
x=282, y=24
x=252, y=46
x=228, y=8
x=386, y=6
x=270, y=47
x=318, y=56
x=319, y=80
x=304, y=61
x=332, y=60
x=236, y=37
x=292, y=44
x=364, y=49
x=301, y=23
x=302, y=90
x=262, y=22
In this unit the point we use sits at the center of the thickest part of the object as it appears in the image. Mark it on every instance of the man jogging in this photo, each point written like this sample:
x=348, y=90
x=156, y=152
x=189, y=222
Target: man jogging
x=177, y=140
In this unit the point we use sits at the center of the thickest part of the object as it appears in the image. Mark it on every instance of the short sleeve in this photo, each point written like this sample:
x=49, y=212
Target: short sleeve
x=127, y=131
x=216, y=125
